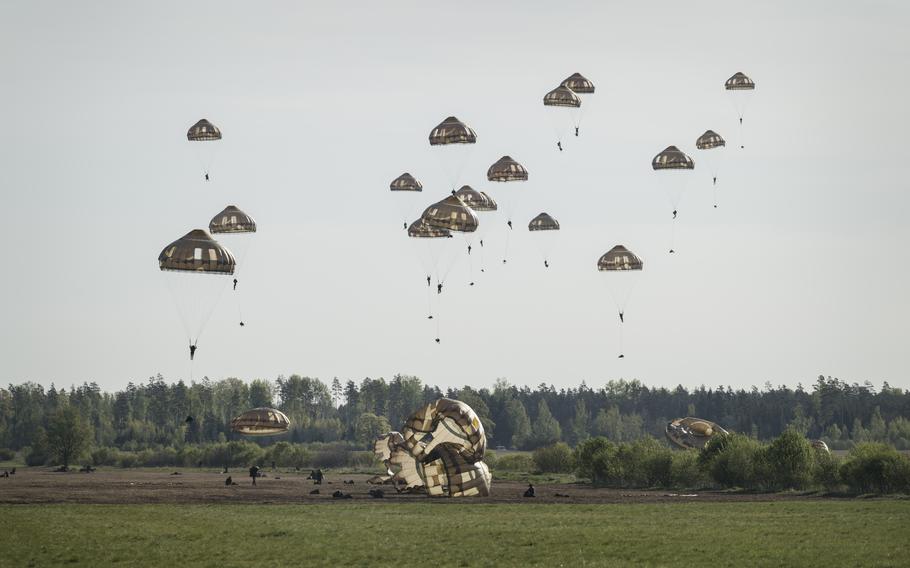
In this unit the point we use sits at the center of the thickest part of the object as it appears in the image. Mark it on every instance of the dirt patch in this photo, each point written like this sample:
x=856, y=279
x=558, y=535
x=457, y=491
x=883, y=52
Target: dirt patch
x=37, y=485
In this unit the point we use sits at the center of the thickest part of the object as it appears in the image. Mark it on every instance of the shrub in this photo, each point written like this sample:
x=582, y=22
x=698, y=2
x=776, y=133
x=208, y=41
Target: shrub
x=826, y=471
x=734, y=461
x=35, y=456
x=876, y=468
x=554, y=459
x=789, y=461
x=104, y=456
x=7, y=454
x=593, y=457
x=331, y=455
x=515, y=462
x=685, y=470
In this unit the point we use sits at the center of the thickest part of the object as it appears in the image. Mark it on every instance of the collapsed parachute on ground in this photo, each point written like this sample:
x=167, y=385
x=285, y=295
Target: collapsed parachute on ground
x=261, y=422
x=451, y=213
x=441, y=449
x=203, y=131
x=692, y=433
x=406, y=182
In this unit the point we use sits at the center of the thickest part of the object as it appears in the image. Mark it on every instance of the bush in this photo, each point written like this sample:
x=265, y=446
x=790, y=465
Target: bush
x=734, y=460
x=685, y=470
x=7, y=454
x=104, y=456
x=331, y=455
x=826, y=471
x=643, y=463
x=789, y=461
x=593, y=457
x=554, y=459
x=876, y=468
x=35, y=456
x=515, y=462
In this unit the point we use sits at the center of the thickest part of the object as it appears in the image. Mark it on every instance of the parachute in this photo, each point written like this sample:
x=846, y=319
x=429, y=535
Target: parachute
x=451, y=213
x=692, y=433
x=625, y=268
x=441, y=449
x=582, y=87
x=543, y=227
x=820, y=446
x=437, y=252
x=454, y=140
x=407, y=186
x=195, y=268
x=564, y=106
x=711, y=140
x=740, y=88
x=236, y=227
x=204, y=131
x=507, y=170
x=261, y=422
x=673, y=161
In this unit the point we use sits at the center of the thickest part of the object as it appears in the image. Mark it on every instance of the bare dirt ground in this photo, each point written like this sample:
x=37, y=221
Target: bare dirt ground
x=124, y=486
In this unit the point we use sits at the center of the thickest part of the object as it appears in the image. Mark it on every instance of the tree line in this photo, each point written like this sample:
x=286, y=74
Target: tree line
x=154, y=413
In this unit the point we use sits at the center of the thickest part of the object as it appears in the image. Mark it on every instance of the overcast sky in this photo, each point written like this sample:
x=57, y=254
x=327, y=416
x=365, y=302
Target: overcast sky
x=801, y=271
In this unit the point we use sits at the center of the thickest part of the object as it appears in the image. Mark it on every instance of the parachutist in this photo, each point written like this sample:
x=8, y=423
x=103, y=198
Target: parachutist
x=439, y=288
x=437, y=340
x=546, y=263
x=620, y=318
x=206, y=176
x=429, y=317
x=621, y=356
x=254, y=473
x=405, y=226
x=674, y=213
x=503, y=261
x=740, y=120
x=192, y=351
x=481, y=243
x=469, y=249
x=242, y=324
x=235, y=283
x=715, y=180
x=559, y=145
x=189, y=419
x=576, y=131
x=471, y=284
x=672, y=251
x=509, y=223
x=529, y=492
x=428, y=280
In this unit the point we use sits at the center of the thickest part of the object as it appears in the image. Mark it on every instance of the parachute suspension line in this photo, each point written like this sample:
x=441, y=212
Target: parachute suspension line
x=673, y=234
x=622, y=351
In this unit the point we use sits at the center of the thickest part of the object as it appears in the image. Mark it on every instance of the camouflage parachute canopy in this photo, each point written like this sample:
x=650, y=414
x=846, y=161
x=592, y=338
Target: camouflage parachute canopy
x=474, y=199
x=692, y=433
x=672, y=158
x=709, y=140
x=406, y=182
x=561, y=97
x=451, y=213
x=261, y=422
x=507, y=169
x=543, y=222
x=232, y=220
x=739, y=82
x=420, y=230
x=619, y=258
x=579, y=84
x=452, y=131
x=203, y=131
x=197, y=251
x=491, y=203
x=820, y=446
x=445, y=423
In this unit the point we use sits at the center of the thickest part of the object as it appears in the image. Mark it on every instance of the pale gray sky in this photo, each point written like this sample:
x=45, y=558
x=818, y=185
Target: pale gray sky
x=802, y=270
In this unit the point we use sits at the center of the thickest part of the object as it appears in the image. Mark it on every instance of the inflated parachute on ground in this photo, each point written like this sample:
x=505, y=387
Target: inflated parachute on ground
x=451, y=213
x=261, y=422
x=692, y=433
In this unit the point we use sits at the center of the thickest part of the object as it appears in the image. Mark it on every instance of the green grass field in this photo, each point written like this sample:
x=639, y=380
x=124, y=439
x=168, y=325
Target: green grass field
x=805, y=533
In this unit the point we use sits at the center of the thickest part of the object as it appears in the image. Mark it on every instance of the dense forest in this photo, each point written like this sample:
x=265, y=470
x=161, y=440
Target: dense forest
x=154, y=413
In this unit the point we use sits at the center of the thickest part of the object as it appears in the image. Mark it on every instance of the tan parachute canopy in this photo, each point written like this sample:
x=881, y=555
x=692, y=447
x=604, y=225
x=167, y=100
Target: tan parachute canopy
x=739, y=82
x=203, y=131
x=452, y=131
x=420, y=230
x=491, y=203
x=476, y=200
x=197, y=251
x=232, y=220
x=692, y=433
x=579, y=84
x=261, y=422
x=507, y=169
x=451, y=213
x=561, y=97
x=672, y=158
x=820, y=446
x=406, y=182
x=709, y=140
x=619, y=258
x=543, y=222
